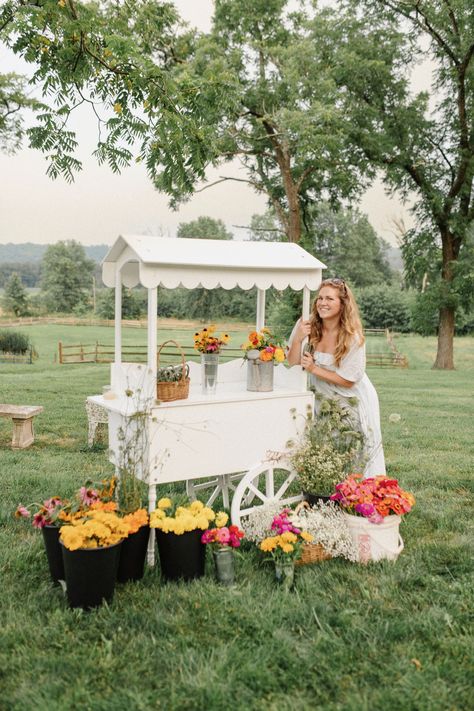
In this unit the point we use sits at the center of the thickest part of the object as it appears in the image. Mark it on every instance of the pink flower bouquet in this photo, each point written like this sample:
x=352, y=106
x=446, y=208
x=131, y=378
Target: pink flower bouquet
x=373, y=498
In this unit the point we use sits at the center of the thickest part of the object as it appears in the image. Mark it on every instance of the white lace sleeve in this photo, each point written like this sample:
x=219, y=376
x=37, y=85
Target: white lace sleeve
x=352, y=366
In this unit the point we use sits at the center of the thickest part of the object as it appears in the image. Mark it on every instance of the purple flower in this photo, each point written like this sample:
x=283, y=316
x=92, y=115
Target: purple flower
x=39, y=520
x=88, y=496
x=366, y=510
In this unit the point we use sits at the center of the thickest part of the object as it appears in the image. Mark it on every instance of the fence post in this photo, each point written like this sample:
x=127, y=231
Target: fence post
x=96, y=350
x=82, y=353
x=60, y=352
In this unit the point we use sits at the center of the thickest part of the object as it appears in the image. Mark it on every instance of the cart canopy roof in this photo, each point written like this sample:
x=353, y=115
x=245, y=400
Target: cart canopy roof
x=172, y=262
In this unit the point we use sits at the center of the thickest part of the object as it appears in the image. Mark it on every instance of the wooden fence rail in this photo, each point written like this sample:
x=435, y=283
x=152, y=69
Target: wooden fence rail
x=104, y=353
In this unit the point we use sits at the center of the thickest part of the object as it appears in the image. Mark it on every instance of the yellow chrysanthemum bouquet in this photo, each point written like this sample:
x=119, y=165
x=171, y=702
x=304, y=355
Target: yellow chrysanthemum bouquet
x=171, y=517
x=96, y=529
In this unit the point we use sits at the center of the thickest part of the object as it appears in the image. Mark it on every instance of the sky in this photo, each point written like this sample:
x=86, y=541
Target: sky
x=99, y=205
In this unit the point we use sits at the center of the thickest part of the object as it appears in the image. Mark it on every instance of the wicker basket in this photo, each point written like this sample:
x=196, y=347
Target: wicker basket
x=179, y=390
x=311, y=552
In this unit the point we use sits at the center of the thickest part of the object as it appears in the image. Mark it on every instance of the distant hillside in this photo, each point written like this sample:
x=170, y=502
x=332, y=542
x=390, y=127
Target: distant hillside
x=30, y=252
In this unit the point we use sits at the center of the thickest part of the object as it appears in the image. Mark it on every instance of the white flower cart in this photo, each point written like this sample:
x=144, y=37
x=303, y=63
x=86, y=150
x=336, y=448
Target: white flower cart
x=230, y=443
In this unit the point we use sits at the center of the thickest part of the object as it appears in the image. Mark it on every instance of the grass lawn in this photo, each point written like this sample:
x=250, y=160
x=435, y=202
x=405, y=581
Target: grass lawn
x=386, y=636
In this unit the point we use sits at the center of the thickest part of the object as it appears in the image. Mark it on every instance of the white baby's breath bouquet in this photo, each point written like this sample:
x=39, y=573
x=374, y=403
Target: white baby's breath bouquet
x=327, y=524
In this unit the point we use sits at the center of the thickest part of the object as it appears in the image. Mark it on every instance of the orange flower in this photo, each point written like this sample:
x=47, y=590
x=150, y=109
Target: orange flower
x=266, y=355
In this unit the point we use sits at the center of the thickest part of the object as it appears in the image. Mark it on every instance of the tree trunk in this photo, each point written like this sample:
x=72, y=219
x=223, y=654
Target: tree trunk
x=444, y=356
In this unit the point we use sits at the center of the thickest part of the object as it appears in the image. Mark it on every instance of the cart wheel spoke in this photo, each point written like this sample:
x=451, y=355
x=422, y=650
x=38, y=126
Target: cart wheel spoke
x=254, y=491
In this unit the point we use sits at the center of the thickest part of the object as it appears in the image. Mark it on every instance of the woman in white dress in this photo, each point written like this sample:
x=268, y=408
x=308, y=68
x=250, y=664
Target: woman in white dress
x=336, y=361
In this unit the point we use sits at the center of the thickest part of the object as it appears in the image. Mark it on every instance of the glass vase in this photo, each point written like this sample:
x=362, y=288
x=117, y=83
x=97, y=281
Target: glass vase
x=285, y=573
x=224, y=563
x=209, y=367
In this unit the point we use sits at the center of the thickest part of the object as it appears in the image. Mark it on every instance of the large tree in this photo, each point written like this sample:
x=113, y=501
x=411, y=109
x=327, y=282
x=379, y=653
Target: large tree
x=67, y=273
x=14, y=100
x=118, y=58
x=284, y=123
x=424, y=142
x=15, y=298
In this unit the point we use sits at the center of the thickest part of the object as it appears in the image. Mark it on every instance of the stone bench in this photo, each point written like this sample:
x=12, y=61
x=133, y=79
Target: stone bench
x=22, y=416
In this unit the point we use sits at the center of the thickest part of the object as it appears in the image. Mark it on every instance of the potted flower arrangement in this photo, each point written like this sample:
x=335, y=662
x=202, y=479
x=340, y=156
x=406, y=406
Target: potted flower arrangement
x=373, y=508
x=91, y=554
x=223, y=540
x=209, y=346
x=46, y=519
x=179, y=528
x=285, y=544
x=263, y=350
x=330, y=447
x=55, y=511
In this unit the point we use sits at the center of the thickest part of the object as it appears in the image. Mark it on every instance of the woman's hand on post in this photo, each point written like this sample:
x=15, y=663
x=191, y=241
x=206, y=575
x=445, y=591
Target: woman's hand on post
x=304, y=329
x=307, y=362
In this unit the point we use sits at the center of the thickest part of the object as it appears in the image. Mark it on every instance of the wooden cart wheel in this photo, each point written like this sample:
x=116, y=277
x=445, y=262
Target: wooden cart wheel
x=267, y=482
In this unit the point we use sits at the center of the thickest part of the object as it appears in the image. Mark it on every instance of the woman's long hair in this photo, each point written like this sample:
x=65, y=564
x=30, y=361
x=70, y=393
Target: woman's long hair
x=350, y=326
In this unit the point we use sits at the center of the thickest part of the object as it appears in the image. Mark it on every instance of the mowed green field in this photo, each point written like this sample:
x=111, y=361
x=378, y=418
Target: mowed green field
x=386, y=636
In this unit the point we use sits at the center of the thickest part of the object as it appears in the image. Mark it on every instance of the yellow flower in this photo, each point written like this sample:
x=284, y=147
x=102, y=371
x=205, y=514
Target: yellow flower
x=279, y=355
x=221, y=519
x=196, y=506
x=269, y=544
x=164, y=503
x=118, y=107
x=288, y=537
x=208, y=513
x=287, y=547
x=306, y=536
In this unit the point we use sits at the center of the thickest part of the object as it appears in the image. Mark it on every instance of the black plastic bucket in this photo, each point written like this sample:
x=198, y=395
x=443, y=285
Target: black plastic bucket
x=132, y=555
x=181, y=557
x=91, y=574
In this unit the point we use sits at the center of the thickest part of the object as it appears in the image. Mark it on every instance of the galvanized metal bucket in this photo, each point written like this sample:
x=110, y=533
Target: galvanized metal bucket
x=260, y=375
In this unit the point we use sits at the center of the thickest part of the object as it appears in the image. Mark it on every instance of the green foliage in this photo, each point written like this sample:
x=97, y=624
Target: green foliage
x=347, y=244
x=172, y=373
x=134, y=303
x=15, y=298
x=421, y=141
x=126, y=62
x=14, y=342
x=66, y=279
x=29, y=273
x=385, y=307
x=330, y=448
x=204, y=228
x=13, y=100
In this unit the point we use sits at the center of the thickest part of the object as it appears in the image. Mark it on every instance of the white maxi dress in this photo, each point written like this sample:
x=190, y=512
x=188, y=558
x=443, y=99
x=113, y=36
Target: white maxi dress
x=352, y=367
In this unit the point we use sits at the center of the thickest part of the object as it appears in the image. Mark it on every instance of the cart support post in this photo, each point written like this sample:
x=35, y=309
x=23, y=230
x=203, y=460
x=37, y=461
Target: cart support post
x=260, y=309
x=118, y=317
x=152, y=321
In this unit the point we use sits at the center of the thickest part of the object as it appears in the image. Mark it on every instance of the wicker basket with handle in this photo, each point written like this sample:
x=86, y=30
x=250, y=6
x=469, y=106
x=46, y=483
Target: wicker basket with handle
x=174, y=390
x=311, y=552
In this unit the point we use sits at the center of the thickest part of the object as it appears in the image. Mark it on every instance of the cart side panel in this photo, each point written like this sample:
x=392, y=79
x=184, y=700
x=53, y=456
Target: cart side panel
x=199, y=440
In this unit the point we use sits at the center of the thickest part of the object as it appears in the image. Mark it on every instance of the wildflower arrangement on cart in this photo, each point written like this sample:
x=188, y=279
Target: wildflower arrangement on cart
x=205, y=341
x=223, y=540
x=264, y=345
